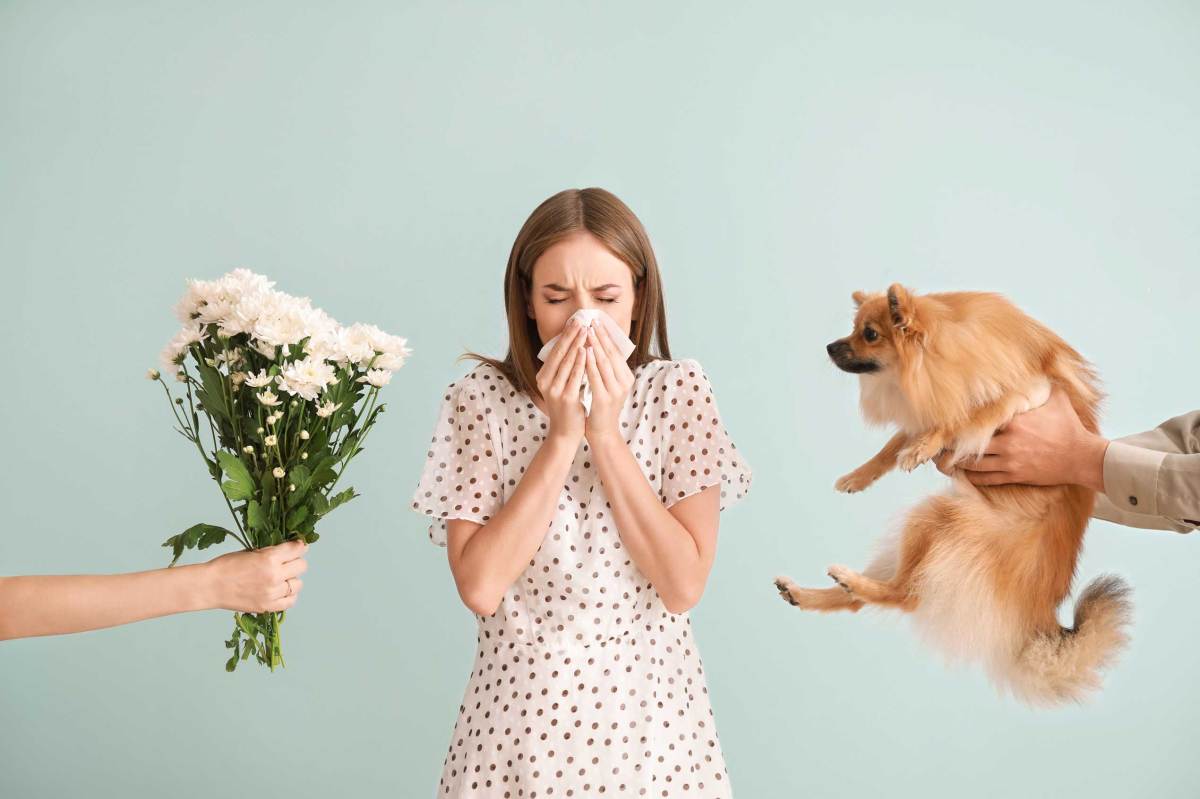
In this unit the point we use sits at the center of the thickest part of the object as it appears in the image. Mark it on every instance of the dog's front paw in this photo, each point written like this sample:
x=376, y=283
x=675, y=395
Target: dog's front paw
x=914, y=455
x=854, y=482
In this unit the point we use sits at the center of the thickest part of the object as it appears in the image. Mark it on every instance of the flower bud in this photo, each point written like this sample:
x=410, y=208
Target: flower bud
x=259, y=431
x=181, y=377
x=249, y=450
x=270, y=441
x=291, y=488
x=303, y=456
x=179, y=401
x=278, y=472
x=292, y=404
x=152, y=374
x=304, y=435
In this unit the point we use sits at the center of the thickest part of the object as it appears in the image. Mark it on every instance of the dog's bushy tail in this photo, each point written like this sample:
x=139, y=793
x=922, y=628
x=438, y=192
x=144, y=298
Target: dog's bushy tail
x=1056, y=668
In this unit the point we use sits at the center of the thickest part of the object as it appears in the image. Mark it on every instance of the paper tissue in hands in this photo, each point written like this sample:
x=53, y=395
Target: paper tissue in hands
x=592, y=317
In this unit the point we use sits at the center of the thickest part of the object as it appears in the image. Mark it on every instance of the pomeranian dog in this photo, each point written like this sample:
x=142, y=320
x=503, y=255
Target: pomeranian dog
x=982, y=570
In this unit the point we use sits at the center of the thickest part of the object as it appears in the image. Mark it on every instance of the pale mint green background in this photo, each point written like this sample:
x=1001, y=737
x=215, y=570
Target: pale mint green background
x=380, y=157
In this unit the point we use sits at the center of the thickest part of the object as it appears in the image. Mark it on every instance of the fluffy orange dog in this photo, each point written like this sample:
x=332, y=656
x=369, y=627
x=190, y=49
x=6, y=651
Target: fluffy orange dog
x=981, y=570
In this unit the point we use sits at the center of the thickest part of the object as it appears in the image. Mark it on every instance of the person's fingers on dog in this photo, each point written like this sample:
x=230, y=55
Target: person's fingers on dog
x=999, y=446
x=989, y=478
x=984, y=463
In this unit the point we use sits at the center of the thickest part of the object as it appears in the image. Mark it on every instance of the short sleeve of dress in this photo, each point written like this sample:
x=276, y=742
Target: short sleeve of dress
x=697, y=451
x=461, y=475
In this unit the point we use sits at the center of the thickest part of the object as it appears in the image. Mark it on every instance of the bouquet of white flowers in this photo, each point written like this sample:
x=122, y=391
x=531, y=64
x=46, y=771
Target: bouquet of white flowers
x=289, y=396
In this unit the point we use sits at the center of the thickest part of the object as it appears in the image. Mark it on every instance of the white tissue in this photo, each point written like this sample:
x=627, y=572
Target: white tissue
x=590, y=317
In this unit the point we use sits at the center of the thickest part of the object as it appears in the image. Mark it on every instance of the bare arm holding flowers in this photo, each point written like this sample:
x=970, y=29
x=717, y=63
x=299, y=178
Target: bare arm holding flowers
x=252, y=582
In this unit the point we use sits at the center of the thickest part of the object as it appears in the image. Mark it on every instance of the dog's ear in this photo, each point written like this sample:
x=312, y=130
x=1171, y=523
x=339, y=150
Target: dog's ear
x=859, y=298
x=902, y=310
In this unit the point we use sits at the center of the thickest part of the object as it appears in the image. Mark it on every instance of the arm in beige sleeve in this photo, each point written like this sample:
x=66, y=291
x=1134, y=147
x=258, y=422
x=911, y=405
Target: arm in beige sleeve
x=1152, y=479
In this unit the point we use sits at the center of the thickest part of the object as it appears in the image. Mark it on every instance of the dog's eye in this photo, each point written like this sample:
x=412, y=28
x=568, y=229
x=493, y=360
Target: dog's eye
x=869, y=334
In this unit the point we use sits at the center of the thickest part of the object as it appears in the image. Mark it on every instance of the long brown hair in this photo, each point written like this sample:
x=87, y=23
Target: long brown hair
x=603, y=215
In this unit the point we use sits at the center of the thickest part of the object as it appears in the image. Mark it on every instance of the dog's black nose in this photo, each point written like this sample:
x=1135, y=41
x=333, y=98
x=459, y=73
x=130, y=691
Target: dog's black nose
x=833, y=347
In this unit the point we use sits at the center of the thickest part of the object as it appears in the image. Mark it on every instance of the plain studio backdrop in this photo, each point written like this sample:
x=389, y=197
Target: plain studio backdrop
x=380, y=158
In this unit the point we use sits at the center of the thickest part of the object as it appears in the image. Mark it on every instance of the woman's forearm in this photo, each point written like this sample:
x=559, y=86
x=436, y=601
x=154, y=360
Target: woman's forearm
x=676, y=564
x=488, y=560
x=57, y=604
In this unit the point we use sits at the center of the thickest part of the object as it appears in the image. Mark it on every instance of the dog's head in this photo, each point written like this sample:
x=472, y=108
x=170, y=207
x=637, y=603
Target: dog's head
x=884, y=327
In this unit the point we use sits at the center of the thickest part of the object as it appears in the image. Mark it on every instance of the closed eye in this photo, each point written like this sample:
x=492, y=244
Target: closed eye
x=601, y=299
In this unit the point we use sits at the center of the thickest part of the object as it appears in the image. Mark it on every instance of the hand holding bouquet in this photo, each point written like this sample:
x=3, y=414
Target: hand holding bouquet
x=288, y=397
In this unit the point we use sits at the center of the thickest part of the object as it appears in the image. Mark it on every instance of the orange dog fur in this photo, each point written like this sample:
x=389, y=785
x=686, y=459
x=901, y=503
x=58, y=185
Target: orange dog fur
x=982, y=570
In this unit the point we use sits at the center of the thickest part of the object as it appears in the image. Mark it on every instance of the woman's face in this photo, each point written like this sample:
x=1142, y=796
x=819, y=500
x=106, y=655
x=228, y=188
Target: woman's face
x=579, y=272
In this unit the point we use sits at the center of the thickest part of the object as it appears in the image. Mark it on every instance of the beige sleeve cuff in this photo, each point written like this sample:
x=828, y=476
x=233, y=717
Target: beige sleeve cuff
x=1131, y=477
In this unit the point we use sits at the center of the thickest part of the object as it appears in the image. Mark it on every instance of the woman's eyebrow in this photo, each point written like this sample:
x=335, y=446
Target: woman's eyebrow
x=556, y=287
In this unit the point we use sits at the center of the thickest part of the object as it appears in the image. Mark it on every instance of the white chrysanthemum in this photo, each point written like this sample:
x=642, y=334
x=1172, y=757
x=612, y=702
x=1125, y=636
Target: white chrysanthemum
x=327, y=408
x=376, y=377
x=307, y=378
x=219, y=301
x=278, y=472
x=196, y=294
x=270, y=441
x=242, y=281
x=264, y=349
x=172, y=354
x=268, y=399
x=243, y=315
x=390, y=361
x=260, y=380
x=351, y=345
x=285, y=320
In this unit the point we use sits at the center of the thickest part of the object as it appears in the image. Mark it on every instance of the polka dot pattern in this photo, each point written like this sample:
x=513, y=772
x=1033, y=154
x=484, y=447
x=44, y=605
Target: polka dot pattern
x=583, y=684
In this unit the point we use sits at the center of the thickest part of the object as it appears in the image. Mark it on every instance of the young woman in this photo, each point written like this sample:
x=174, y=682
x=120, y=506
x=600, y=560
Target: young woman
x=581, y=540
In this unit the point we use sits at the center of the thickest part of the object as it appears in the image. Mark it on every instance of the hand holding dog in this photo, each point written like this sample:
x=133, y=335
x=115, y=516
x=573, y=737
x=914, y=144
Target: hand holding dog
x=1044, y=446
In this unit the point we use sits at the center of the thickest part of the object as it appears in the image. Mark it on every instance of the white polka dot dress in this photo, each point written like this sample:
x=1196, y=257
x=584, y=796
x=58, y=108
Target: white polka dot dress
x=583, y=685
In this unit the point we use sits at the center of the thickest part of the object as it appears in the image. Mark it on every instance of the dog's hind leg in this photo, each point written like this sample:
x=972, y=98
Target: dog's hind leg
x=868, y=589
x=890, y=578
x=819, y=599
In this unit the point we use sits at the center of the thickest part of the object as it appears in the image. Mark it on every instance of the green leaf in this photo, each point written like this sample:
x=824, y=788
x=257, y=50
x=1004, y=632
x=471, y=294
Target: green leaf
x=211, y=534
x=247, y=649
x=255, y=516
x=297, y=515
x=319, y=505
x=247, y=623
x=198, y=536
x=240, y=485
x=213, y=393
x=267, y=484
x=231, y=664
x=341, y=498
x=300, y=477
x=347, y=445
x=176, y=544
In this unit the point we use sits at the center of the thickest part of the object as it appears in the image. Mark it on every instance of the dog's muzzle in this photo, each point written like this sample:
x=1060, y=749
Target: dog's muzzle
x=842, y=355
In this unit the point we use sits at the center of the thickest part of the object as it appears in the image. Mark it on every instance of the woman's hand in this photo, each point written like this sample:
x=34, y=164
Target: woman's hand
x=1044, y=446
x=610, y=379
x=257, y=581
x=559, y=380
